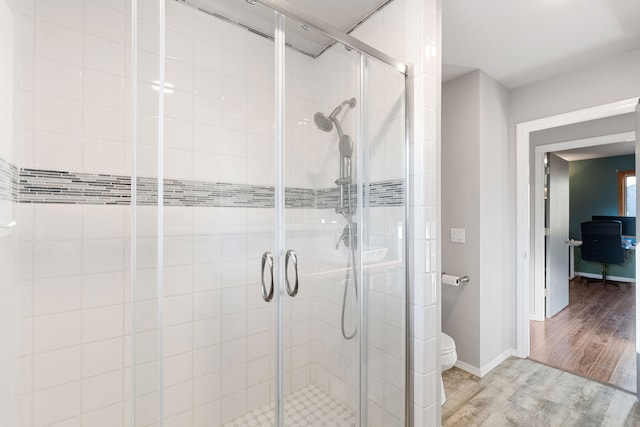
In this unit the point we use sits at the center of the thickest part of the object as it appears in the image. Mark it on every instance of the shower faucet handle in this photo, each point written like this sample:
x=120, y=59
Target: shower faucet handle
x=349, y=236
x=344, y=238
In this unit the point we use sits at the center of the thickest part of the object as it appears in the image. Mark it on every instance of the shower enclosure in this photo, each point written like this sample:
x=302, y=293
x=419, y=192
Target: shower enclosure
x=219, y=236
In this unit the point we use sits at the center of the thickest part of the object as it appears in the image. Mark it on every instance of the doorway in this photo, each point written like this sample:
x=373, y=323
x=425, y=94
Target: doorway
x=585, y=329
x=529, y=244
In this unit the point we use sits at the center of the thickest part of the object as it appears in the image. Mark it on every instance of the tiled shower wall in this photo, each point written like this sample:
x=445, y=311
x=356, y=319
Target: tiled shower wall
x=73, y=257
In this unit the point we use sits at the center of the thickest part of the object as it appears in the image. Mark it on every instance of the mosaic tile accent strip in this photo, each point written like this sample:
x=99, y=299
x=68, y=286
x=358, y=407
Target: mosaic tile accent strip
x=44, y=186
x=382, y=193
x=308, y=407
x=50, y=186
x=8, y=181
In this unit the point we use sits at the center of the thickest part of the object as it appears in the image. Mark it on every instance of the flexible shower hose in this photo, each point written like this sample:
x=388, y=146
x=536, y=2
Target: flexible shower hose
x=351, y=264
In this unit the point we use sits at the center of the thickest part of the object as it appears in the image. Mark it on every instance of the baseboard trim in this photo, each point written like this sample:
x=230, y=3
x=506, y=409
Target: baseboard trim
x=484, y=370
x=614, y=278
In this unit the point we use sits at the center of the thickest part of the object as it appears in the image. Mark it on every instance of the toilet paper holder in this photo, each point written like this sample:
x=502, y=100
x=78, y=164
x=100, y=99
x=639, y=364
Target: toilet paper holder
x=453, y=280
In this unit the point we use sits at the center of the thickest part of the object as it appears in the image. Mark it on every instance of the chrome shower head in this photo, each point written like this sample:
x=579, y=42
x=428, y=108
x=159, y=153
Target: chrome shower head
x=323, y=122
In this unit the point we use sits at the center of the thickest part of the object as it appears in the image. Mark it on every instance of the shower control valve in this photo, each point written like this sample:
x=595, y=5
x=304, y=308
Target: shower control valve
x=349, y=236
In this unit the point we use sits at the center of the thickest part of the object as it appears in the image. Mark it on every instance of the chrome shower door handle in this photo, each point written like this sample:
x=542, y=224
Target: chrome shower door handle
x=267, y=258
x=291, y=255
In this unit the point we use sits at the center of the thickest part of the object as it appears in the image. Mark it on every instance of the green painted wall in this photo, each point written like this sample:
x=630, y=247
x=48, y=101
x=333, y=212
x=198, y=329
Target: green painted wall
x=593, y=186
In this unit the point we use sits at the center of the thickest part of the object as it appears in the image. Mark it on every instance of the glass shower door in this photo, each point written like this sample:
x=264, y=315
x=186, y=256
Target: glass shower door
x=205, y=332
x=321, y=321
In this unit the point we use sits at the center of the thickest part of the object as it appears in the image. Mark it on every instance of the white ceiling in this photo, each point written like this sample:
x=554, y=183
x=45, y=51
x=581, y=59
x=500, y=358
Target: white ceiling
x=523, y=41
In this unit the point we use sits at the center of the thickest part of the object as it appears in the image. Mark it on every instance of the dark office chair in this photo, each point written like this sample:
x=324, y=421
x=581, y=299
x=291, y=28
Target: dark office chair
x=602, y=242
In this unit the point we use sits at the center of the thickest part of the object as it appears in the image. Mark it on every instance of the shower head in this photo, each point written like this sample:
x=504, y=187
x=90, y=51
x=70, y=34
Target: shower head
x=323, y=122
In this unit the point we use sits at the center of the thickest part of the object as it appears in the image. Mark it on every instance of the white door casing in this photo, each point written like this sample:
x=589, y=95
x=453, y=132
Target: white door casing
x=524, y=222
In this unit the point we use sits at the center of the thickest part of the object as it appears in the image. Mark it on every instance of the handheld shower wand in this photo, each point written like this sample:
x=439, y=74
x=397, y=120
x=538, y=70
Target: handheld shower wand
x=349, y=234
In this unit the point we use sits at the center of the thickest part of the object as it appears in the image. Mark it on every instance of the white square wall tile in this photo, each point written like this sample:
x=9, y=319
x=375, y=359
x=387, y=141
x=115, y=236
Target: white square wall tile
x=102, y=289
x=58, y=222
x=105, y=22
x=57, y=294
x=178, y=339
x=58, y=43
x=101, y=391
x=101, y=222
x=178, y=398
x=234, y=353
x=179, y=46
x=105, y=156
x=54, y=368
x=178, y=309
x=103, y=255
x=60, y=12
x=178, y=369
x=102, y=356
x=103, y=88
x=102, y=323
x=56, y=331
x=58, y=115
x=56, y=404
x=104, y=55
x=206, y=305
x=103, y=122
x=58, y=79
x=181, y=17
x=206, y=389
x=206, y=360
x=111, y=416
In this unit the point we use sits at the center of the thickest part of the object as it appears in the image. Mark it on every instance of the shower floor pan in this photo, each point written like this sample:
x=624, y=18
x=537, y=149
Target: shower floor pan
x=309, y=406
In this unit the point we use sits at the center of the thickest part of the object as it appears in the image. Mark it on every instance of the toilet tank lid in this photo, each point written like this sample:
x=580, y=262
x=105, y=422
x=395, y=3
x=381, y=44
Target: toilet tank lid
x=446, y=342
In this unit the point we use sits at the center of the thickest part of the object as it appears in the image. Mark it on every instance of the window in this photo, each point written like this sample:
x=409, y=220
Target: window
x=627, y=193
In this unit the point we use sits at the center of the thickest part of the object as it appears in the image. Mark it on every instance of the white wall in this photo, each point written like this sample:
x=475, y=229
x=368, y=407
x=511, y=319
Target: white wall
x=494, y=272
x=474, y=198
x=460, y=204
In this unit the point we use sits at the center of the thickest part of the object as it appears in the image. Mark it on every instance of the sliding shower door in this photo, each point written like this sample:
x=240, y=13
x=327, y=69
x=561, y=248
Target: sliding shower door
x=268, y=224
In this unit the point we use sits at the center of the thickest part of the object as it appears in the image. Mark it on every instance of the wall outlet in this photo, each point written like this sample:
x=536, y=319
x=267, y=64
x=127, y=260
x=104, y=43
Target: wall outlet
x=457, y=235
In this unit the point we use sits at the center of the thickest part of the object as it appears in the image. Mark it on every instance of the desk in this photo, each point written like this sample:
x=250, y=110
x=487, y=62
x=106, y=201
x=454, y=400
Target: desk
x=630, y=250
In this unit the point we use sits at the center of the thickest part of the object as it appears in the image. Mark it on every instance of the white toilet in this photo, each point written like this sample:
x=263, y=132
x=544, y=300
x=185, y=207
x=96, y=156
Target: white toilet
x=448, y=357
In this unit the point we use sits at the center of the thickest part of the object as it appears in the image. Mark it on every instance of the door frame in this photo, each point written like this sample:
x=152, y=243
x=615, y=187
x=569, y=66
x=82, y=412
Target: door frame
x=524, y=272
x=539, y=303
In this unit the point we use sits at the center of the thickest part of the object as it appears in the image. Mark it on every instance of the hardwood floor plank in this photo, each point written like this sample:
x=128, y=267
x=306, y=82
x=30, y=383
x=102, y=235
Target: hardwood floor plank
x=594, y=336
x=605, y=365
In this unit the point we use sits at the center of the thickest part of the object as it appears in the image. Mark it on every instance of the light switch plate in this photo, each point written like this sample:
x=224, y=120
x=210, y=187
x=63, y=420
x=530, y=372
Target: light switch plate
x=457, y=235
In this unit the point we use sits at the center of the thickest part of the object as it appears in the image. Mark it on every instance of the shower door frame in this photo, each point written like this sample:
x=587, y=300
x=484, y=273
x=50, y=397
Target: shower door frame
x=283, y=9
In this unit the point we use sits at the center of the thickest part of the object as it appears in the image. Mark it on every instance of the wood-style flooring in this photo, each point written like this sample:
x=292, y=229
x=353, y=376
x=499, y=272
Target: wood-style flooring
x=521, y=392
x=594, y=336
